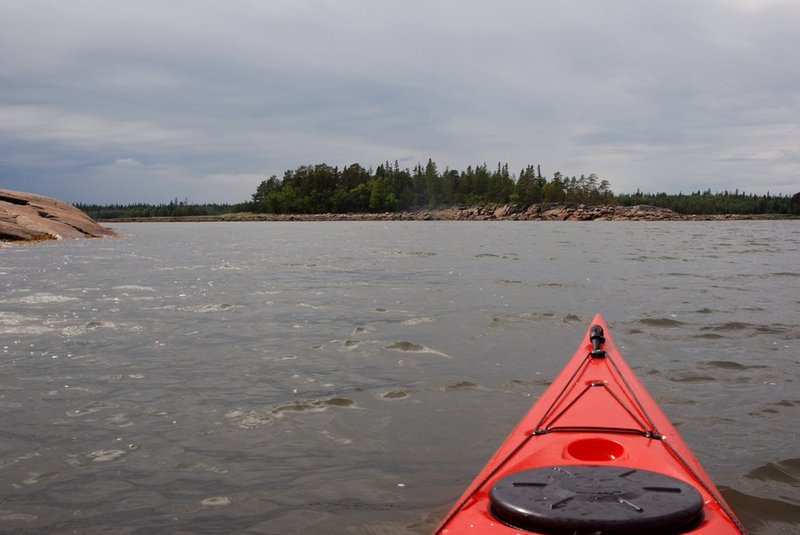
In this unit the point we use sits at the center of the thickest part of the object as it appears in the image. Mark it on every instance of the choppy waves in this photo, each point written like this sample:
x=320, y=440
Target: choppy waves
x=225, y=375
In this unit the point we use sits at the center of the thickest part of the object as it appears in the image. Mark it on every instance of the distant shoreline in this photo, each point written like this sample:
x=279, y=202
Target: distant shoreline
x=505, y=212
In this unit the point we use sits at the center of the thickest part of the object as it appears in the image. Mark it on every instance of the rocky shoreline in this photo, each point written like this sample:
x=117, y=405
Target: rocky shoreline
x=27, y=217
x=504, y=212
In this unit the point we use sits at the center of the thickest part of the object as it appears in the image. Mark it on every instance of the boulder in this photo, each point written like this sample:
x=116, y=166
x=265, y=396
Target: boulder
x=557, y=214
x=31, y=217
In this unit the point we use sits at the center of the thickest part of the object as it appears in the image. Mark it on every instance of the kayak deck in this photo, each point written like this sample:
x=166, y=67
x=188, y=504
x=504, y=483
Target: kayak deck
x=595, y=454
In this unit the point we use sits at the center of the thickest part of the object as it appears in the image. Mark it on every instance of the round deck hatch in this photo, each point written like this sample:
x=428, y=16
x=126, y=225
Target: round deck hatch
x=611, y=500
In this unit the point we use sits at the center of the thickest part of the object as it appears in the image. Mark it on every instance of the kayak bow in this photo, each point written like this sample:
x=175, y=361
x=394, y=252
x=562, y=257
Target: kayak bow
x=594, y=455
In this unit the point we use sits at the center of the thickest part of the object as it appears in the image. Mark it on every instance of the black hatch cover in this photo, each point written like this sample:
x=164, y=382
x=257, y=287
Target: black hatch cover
x=610, y=500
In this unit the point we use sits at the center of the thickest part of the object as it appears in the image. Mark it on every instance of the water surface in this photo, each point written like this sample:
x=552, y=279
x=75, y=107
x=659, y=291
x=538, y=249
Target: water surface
x=354, y=377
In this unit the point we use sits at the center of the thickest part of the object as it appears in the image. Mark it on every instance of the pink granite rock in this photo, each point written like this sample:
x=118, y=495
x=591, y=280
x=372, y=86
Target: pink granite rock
x=31, y=217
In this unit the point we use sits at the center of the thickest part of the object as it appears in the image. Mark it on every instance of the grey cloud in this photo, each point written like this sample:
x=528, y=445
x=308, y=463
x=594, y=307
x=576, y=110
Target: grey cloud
x=200, y=93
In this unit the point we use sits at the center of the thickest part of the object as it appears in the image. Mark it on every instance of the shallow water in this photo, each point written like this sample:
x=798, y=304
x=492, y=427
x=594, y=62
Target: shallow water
x=354, y=377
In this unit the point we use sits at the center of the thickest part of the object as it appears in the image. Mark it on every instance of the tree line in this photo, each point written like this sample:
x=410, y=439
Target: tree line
x=707, y=203
x=388, y=188
x=322, y=188
x=174, y=208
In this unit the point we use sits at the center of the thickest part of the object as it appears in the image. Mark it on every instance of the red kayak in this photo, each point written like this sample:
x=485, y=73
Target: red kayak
x=594, y=455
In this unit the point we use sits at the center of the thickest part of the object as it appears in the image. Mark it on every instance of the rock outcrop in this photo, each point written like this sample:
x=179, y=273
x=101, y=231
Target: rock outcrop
x=29, y=217
x=503, y=212
x=566, y=212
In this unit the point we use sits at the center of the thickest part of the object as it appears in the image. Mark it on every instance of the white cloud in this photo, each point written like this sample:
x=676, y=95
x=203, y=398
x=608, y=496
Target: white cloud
x=755, y=5
x=51, y=124
x=127, y=162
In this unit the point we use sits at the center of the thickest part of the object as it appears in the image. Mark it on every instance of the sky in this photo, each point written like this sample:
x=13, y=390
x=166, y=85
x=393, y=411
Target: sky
x=120, y=101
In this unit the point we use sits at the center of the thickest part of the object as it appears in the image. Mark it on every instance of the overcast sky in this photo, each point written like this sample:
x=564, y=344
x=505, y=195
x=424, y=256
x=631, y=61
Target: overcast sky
x=144, y=101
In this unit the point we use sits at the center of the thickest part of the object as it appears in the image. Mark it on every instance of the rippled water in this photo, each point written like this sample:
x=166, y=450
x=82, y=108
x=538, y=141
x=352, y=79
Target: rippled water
x=354, y=377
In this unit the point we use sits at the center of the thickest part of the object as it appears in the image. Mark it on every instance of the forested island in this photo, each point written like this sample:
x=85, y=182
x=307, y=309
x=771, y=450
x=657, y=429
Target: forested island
x=388, y=188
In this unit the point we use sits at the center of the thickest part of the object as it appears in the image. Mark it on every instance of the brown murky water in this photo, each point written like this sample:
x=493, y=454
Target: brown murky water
x=354, y=377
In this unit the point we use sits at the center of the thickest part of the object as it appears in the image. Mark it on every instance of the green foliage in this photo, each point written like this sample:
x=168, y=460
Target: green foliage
x=322, y=189
x=707, y=203
x=174, y=208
